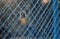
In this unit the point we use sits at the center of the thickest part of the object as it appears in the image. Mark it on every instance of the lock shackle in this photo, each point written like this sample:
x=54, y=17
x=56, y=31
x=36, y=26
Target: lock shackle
x=22, y=14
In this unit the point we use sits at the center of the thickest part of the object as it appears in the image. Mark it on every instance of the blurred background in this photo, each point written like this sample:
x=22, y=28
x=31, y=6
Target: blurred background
x=29, y=19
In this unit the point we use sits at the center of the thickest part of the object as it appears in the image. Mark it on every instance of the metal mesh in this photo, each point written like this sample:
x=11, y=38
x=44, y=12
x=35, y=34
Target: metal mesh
x=40, y=18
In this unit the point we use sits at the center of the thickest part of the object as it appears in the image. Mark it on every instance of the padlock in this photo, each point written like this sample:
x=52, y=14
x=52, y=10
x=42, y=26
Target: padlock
x=23, y=18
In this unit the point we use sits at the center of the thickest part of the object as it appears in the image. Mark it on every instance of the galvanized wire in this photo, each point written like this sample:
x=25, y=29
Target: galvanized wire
x=40, y=19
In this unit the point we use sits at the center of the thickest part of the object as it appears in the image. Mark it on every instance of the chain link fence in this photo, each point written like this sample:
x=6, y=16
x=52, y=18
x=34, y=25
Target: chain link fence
x=28, y=19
